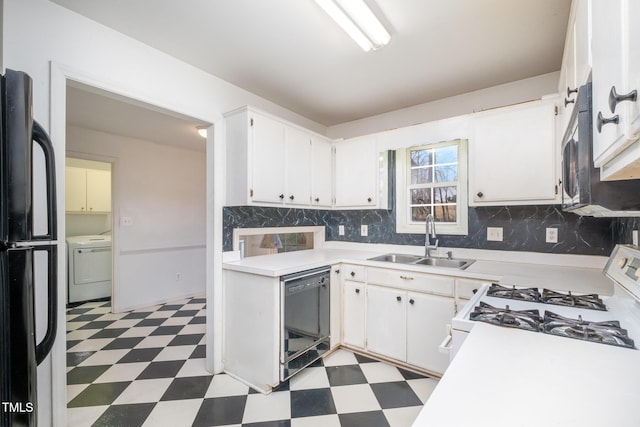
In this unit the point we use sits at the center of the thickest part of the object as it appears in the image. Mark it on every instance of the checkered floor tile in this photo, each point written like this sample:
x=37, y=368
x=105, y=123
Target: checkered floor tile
x=147, y=368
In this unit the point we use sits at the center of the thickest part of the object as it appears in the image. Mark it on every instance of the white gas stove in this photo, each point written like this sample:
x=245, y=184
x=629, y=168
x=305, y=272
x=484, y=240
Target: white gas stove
x=603, y=320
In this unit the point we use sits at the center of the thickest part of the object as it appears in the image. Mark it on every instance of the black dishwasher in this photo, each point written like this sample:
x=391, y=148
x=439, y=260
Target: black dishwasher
x=305, y=332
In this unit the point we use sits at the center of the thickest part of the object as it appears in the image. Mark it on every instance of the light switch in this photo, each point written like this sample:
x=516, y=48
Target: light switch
x=364, y=230
x=341, y=230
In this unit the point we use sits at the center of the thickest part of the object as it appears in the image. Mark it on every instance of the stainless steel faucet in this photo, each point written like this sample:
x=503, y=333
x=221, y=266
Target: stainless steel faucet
x=430, y=237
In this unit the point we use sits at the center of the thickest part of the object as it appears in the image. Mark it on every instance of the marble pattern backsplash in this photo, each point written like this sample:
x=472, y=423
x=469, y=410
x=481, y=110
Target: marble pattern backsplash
x=523, y=227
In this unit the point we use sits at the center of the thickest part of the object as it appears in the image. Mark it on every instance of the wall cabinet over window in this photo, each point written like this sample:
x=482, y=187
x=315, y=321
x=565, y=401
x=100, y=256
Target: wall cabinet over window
x=356, y=162
x=514, y=156
x=275, y=163
x=87, y=190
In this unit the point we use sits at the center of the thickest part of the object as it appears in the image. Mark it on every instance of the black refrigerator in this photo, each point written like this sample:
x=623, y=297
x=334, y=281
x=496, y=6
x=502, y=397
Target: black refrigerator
x=20, y=249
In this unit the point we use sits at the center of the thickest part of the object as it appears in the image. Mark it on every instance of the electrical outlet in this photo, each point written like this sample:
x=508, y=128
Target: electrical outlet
x=364, y=230
x=178, y=277
x=634, y=237
x=126, y=221
x=341, y=230
x=552, y=235
x=494, y=234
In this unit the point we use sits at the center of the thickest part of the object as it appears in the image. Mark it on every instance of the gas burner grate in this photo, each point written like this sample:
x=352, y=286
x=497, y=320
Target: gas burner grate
x=589, y=301
x=521, y=319
x=608, y=332
x=524, y=294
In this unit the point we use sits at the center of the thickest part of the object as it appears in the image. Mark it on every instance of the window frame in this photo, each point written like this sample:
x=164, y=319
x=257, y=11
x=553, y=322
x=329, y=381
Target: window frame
x=404, y=224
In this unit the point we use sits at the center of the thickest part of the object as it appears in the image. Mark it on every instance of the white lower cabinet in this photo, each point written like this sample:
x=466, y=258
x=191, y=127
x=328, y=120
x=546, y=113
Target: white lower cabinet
x=400, y=315
x=428, y=317
x=353, y=300
x=387, y=322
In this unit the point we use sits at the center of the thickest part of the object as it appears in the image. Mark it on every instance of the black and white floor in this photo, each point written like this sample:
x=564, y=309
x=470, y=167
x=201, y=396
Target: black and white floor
x=147, y=368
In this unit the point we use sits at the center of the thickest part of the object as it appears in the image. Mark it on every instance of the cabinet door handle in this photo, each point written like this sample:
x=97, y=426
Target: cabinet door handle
x=357, y=291
x=353, y=274
x=569, y=101
x=399, y=298
x=412, y=301
x=338, y=271
x=291, y=197
x=317, y=199
x=369, y=199
x=570, y=91
x=601, y=120
x=615, y=98
x=480, y=194
x=406, y=277
x=281, y=196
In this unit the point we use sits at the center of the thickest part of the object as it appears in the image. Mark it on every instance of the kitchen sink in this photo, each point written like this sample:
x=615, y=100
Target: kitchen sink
x=460, y=264
x=456, y=263
x=398, y=258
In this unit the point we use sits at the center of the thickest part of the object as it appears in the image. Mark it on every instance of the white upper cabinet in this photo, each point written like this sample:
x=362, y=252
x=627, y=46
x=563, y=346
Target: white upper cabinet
x=321, y=172
x=616, y=80
x=87, y=190
x=632, y=54
x=513, y=156
x=298, y=167
x=273, y=163
x=607, y=45
x=356, y=173
x=267, y=159
x=576, y=63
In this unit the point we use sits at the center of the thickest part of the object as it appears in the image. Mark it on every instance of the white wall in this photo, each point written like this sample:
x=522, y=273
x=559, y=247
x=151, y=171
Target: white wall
x=162, y=189
x=87, y=224
x=484, y=99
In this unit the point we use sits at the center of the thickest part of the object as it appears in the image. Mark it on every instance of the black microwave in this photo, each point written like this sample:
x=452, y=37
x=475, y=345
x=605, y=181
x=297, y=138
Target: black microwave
x=583, y=191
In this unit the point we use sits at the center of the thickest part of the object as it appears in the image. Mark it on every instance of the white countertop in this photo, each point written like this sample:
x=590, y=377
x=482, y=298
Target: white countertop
x=507, y=377
x=517, y=273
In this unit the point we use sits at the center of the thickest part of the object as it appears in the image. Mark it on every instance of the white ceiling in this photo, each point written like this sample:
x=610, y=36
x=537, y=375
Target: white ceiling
x=292, y=53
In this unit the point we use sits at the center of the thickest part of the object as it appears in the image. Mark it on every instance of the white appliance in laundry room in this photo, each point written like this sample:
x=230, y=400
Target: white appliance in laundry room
x=89, y=267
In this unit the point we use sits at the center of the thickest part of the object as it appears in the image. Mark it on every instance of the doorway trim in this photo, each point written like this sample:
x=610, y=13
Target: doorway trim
x=59, y=75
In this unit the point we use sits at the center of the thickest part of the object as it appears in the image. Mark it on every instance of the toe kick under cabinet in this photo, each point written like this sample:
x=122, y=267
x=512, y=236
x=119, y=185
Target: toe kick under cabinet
x=401, y=315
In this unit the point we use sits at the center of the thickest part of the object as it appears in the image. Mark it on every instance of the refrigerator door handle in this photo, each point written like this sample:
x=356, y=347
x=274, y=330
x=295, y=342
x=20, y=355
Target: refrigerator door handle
x=41, y=137
x=44, y=347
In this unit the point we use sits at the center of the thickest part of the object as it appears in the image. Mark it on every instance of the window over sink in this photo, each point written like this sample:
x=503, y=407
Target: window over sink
x=432, y=179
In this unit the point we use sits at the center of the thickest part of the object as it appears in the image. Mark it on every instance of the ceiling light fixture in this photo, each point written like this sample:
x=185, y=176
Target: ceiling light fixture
x=357, y=20
x=202, y=131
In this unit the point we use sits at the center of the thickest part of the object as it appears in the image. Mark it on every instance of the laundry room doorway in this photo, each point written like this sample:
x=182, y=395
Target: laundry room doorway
x=88, y=221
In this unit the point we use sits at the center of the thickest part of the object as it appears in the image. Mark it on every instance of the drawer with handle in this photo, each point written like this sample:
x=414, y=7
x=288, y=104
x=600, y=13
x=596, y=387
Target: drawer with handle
x=430, y=283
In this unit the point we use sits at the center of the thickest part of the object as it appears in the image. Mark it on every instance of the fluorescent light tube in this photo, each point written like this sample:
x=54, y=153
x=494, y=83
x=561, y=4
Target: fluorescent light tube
x=357, y=20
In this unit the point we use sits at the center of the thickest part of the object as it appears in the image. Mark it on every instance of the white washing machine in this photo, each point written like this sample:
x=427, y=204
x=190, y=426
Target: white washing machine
x=89, y=267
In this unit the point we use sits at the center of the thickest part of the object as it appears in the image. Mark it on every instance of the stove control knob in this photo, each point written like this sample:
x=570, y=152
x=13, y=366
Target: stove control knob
x=621, y=262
